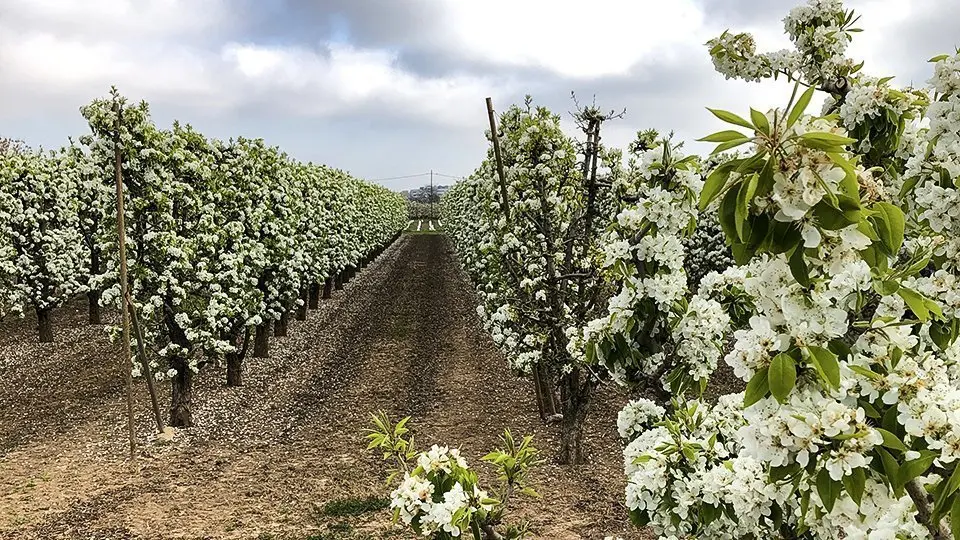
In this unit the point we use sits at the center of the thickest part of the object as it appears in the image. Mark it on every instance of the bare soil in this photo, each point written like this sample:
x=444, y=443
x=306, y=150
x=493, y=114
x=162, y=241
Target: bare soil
x=263, y=459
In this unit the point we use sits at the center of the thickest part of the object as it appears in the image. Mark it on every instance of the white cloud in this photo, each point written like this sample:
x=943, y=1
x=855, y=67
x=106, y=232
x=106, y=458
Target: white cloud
x=568, y=37
x=340, y=77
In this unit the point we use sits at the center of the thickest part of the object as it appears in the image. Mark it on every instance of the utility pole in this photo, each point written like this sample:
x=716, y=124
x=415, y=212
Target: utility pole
x=431, y=193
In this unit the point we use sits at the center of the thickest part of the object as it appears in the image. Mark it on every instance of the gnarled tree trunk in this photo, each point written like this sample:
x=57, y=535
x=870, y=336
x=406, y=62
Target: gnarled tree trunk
x=234, y=369
x=45, y=324
x=280, y=327
x=304, y=304
x=328, y=288
x=261, y=344
x=314, y=295
x=235, y=358
x=93, y=306
x=93, y=295
x=181, y=394
x=575, y=397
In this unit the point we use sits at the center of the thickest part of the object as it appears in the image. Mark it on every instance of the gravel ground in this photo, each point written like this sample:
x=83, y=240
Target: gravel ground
x=264, y=458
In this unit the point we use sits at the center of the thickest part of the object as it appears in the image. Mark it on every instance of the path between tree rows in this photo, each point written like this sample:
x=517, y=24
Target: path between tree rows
x=262, y=458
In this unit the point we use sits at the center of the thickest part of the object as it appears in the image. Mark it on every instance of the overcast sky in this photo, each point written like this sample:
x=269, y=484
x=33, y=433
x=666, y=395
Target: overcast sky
x=387, y=88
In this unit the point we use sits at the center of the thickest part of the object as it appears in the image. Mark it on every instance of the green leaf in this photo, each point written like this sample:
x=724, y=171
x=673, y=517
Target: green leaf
x=950, y=485
x=891, y=226
x=942, y=333
x=891, y=441
x=727, y=214
x=798, y=267
x=915, y=301
x=784, y=236
x=730, y=118
x=939, y=58
x=782, y=376
x=860, y=370
x=828, y=489
x=779, y=473
x=855, y=482
x=826, y=365
x=833, y=219
x=723, y=147
x=760, y=120
x=955, y=518
x=723, y=136
x=713, y=185
x=757, y=388
x=822, y=140
x=892, y=469
x=747, y=189
x=915, y=467
x=800, y=106
x=886, y=287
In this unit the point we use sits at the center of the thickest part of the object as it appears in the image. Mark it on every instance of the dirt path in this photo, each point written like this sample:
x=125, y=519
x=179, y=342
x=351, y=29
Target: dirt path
x=264, y=459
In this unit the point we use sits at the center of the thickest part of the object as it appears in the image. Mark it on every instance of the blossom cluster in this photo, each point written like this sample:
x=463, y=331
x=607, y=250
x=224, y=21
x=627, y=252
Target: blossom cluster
x=439, y=495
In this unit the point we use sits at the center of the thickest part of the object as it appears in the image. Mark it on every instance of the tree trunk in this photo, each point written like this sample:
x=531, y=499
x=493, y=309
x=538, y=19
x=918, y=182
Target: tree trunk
x=261, y=345
x=181, y=395
x=338, y=280
x=93, y=295
x=575, y=402
x=280, y=328
x=304, y=300
x=45, y=324
x=234, y=369
x=93, y=306
x=314, y=295
x=328, y=288
x=543, y=389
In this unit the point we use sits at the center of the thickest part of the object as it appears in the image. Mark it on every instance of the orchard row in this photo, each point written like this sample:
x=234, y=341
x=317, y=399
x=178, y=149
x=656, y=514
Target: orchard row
x=224, y=239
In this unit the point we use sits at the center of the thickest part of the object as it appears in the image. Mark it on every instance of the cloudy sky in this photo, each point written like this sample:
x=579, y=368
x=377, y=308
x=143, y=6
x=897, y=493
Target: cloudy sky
x=387, y=88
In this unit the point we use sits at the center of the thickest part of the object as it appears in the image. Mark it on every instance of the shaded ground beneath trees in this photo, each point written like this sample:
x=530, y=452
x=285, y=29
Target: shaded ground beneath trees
x=263, y=460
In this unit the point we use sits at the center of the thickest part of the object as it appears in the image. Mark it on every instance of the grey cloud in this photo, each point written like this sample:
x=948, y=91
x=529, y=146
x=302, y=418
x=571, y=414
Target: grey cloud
x=746, y=12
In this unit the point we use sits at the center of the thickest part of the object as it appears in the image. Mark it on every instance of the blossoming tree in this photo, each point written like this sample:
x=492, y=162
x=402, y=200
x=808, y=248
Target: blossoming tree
x=843, y=312
x=41, y=256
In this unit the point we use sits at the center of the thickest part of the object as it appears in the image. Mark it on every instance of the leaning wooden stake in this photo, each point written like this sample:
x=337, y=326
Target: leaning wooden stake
x=125, y=315
x=145, y=363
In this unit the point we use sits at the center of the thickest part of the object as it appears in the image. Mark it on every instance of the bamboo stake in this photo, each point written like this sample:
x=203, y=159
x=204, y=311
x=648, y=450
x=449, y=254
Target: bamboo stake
x=121, y=233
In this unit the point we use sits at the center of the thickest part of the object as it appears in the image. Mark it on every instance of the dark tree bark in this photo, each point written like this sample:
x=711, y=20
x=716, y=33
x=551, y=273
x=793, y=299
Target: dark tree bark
x=280, y=327
x=93, y=306
x=234, y=369
x=314, y=295
x=575, y=403
x=338, y=280
x=328, y=288
x=261, y=344
x=93, y=295
x=45, y=324
x=235, y=358
x=304, y=301
x=181, y=394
